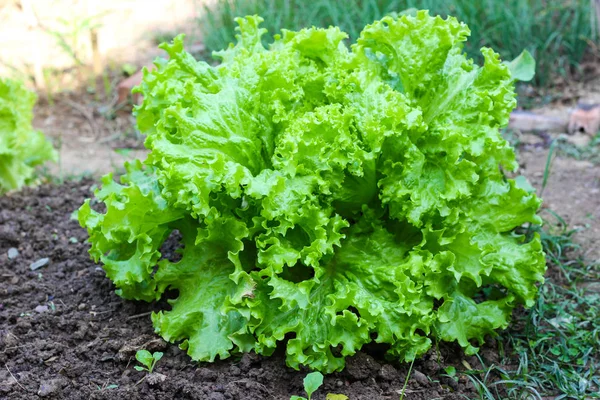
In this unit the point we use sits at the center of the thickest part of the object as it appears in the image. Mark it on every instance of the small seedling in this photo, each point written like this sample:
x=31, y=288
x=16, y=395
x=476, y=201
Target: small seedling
x=107, y=387
x=148, y=360
x=312, y=382
x=450, y=372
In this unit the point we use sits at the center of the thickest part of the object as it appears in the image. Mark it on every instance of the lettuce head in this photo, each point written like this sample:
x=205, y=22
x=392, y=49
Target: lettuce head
x=326, y=196
x=21, y=147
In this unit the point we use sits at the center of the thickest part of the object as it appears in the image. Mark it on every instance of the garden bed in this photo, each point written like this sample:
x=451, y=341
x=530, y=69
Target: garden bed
x=65, y=334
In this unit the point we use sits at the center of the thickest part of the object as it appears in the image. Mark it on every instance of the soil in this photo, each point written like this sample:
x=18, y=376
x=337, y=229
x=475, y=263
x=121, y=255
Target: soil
x=65, y=334
x=572, y=191
x=92, y=134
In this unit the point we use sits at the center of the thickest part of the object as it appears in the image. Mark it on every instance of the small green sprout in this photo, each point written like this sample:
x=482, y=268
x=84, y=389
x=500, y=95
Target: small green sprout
x=450, y=371
x=312, y=382
x=148, y=360
x=107, y=387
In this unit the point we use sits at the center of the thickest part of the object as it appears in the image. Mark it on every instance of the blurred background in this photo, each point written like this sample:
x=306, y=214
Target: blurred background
x=43, y=37
x=83, y=57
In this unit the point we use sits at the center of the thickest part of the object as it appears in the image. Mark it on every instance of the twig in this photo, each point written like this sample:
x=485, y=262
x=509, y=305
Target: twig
x=14, y=347
x=94, y=313
x=139, y=315
x=141, y=380
x=128, y=362
x=11, y=374
x=88, y=116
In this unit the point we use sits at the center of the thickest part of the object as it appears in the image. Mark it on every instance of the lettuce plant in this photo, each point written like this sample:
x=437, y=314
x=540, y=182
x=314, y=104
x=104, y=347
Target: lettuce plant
x=325, y=196
x=21, y=147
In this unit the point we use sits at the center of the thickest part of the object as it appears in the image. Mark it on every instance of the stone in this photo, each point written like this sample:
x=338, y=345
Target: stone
x=420, y=377
x=13, y=253
x=41, y=309
x=39, y=263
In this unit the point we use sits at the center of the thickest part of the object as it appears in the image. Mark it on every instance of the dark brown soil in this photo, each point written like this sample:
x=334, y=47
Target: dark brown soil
x=65, y=334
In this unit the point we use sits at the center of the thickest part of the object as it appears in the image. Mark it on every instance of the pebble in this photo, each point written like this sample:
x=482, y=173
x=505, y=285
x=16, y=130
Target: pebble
x=13, y=253
x=420, y=378
x=47, y=388
x=39, y=263
x=82, y=306
x=41, y=309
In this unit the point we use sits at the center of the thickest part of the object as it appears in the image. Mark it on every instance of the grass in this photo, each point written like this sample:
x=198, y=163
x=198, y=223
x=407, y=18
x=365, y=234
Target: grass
x=552, y=350
x=559, y=346
x=557, y=33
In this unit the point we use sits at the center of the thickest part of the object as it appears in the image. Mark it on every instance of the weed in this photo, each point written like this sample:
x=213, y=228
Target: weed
x=107, y=386
x=554, y=348
x=312, y=382
x=589, y=152
x=556, y=345
x=70, y=34
x=406, y=380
